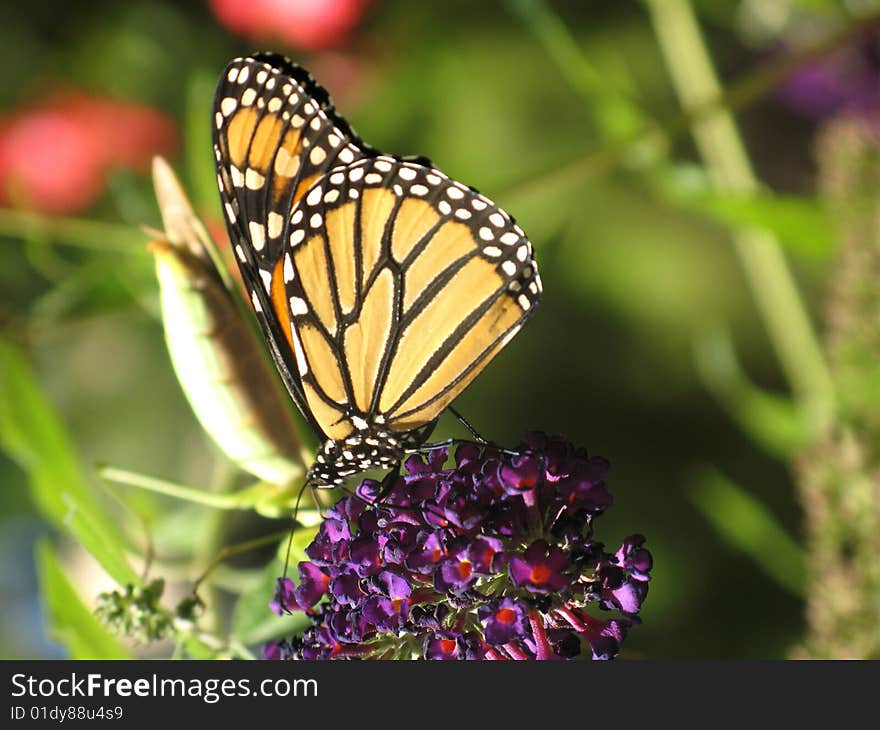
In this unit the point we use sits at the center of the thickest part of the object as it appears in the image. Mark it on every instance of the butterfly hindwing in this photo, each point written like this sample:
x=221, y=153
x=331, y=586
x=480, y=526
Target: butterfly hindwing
x=402, y=285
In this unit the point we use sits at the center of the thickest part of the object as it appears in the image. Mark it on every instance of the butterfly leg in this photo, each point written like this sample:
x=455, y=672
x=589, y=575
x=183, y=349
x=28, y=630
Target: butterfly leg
x=450, y=442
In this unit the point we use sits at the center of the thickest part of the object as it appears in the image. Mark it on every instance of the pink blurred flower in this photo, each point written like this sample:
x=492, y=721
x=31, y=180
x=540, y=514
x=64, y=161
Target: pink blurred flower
x=55, y=156
x=308, y=24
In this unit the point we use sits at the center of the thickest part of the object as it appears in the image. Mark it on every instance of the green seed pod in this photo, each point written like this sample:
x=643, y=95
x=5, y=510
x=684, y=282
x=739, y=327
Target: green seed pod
x=217, y=357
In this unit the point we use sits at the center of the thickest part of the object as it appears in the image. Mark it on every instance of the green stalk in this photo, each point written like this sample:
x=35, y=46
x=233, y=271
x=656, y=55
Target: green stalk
x=723, y=152
x=98, y=235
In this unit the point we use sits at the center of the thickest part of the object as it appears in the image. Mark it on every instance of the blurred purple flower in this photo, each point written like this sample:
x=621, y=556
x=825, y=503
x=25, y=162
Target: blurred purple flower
x=845, y=80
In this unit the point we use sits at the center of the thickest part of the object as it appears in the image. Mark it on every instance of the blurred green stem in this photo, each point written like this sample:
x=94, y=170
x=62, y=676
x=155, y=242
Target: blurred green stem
x=617, y=115
x=721, y=147
x=577, y=167
x=73, y=231
x=747, y=524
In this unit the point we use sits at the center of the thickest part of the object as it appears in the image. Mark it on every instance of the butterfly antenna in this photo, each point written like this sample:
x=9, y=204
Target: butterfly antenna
x=306, y=483
x=464, y=422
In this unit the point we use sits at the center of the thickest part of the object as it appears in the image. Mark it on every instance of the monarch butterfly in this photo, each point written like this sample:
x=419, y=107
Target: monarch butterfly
x=382, y=286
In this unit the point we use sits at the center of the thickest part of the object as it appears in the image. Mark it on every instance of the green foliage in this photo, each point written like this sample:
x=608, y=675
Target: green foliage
x=135, y=612
x=774, y=421
x=251, y=622
x=802, y=224
x=747, y=525
x=32, y=434
x=69, y=620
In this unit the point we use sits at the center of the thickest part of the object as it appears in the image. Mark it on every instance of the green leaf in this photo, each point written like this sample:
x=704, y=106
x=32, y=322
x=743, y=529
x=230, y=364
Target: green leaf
x=252, y=622
x=802, y=224
x=745, y=523
x=69, y=621
x=33, y=436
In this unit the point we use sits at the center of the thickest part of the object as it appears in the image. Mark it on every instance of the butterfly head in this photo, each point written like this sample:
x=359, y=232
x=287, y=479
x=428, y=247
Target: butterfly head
x=370, y=448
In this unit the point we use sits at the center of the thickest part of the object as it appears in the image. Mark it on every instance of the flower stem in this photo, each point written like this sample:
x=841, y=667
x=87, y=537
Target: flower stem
x=767, y=272
x=515, y=652
x=543, y=650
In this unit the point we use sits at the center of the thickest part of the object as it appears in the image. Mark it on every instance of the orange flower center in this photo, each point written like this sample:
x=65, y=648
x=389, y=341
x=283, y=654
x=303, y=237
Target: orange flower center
x=539, y=574
x=506, y=615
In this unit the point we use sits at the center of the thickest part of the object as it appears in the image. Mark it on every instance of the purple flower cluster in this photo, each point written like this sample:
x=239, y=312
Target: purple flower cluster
x=491, y=558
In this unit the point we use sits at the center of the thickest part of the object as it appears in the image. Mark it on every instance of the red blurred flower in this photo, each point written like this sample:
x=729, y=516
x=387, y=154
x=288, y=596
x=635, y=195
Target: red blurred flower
x=307, y=24
x=54, y=157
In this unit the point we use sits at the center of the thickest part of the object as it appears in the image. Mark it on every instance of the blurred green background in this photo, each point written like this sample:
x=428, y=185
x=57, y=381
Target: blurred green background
x=566, y=114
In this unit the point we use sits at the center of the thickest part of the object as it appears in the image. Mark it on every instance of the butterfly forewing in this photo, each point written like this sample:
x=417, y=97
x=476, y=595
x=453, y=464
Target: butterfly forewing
x=275, y=135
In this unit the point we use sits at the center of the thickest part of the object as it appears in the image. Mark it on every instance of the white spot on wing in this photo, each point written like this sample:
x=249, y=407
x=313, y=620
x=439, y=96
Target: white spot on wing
x=253, y=180
x=301, y=361
x=286, y=165
x=298, y=306
x=266, y=276
x=275, y=223
x=258, y=235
